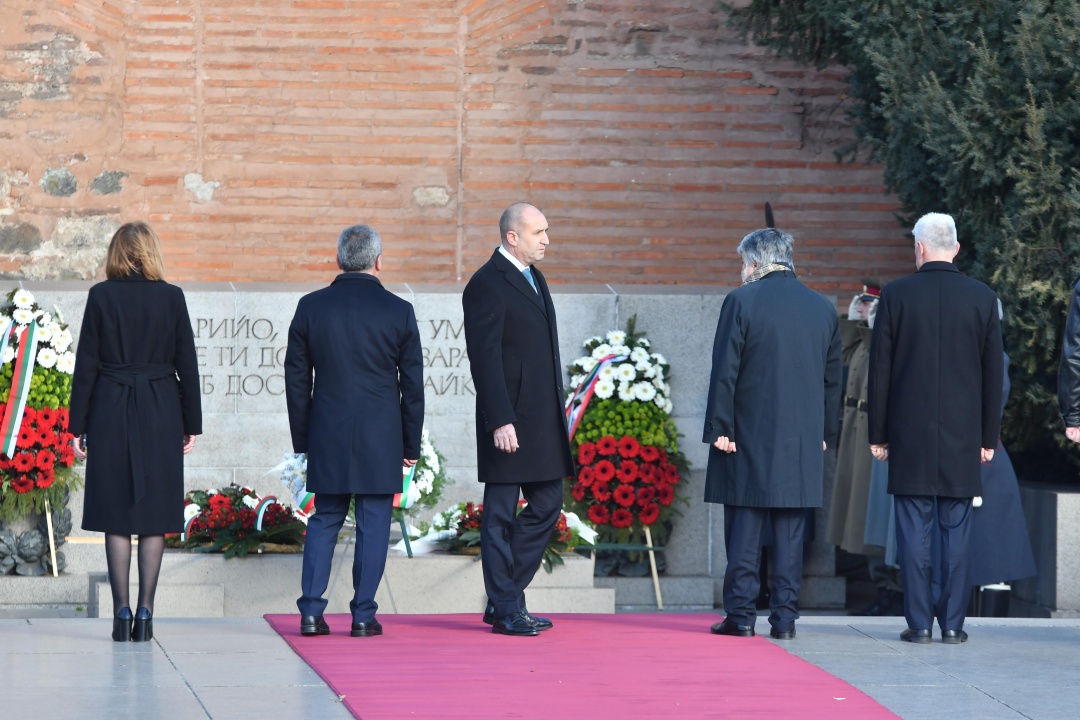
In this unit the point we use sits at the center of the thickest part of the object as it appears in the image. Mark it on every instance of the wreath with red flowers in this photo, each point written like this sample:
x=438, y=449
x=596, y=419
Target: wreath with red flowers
x=626, y=445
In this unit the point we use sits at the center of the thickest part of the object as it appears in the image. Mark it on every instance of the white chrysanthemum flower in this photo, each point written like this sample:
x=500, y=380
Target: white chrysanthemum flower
x=667, y=406
x=576, y=380
x=191, y=511
x=649, y=371
x=22, y=316
x=65, y=363
x=659, y=400
x=601, y=351
x=626, y=392
x=586, y=364
x=659, y=371
x=211, y=491
x=46, y=357
x=44, y=318
x=23, y=299
x=604, y=389
x=639, y=355
x=620, y=350
x=644, y=391
x=44, y=333
x=62, y=340
x=250, y=502
x=425, y=480
x=8, y=356
x=607, y=373
x=594, y=339
x=616, y=337
x=642, y=342
x=658, y=383
x=626, y=372
x=660, y=359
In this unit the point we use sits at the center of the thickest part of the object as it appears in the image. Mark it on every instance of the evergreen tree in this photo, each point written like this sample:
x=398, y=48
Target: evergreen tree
x=974, y=110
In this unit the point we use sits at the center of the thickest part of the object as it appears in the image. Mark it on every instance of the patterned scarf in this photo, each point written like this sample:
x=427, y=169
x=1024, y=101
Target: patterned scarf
x=764, y=270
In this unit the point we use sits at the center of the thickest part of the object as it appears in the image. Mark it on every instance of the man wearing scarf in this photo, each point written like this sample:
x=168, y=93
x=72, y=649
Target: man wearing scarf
x=773, y=405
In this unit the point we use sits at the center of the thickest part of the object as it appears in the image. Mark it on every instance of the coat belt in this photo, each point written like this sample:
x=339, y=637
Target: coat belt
x=855, y=402
x=137, y=377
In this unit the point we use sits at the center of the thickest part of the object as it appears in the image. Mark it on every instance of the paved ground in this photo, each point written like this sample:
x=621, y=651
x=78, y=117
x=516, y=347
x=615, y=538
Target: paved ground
x=239, y=668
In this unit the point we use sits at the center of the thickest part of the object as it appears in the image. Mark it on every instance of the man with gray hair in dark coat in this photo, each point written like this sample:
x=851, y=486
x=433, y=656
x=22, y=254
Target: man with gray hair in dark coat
x=773, y=405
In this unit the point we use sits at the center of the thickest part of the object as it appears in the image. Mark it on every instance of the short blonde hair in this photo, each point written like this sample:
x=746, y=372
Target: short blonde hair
x=134, y=248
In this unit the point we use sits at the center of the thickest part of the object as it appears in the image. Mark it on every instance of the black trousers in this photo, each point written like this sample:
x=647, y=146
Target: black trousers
x=929, y=527
x=743, y=535
x=373, y=515
x=512, y=544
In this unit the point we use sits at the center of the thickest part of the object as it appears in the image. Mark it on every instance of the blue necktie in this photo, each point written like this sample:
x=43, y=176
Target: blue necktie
x=529, y=276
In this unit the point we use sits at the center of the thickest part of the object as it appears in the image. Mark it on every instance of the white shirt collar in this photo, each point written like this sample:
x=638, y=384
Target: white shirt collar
x=517, y=263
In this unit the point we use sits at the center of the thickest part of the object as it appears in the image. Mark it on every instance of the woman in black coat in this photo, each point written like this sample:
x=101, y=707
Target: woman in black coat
x=135, y=412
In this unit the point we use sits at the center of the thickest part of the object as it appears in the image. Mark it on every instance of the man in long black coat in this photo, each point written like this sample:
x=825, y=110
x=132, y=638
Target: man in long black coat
x=774, y=402
x=521, y=439
x=355, y=390
x=934, y=410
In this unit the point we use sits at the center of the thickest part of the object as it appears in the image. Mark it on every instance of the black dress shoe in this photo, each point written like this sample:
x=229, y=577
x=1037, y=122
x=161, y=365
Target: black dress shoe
x=782, y=634
x=540, y=623
x=730, y=628
x=368, y=629
x=916, y=636
x=121, y=625
x=514, y=624
x=953, y=637
x=313, y=625
x=142, y=629
x=489, y=614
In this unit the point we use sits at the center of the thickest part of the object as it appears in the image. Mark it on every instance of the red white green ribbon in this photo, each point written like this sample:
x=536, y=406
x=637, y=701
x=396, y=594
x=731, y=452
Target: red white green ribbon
x=402, y=499
x=187, y=527
x=20, y=386
x=575, y=406
x=261, y=508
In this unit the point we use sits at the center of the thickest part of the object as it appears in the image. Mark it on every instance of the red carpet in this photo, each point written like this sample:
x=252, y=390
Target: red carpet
x=587, y=666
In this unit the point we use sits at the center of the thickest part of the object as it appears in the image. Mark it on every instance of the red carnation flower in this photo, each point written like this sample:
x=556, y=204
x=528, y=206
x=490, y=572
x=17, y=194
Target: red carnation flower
x=586, y=476
x=47, y=437
x=628, y=471
x=649, y=514
x=44, y=460
x=578, y=493
x=649, y=453
x=647, y=474
x=624, y=495
x=586, y=453
x=646, y=495
x=671, y=474
x=47, y=417
x=604, y=470
x=629, y=447
x=622, y=518
x=23, y=462
x=22, y=484
x=601, y=492
x=28, y=437
x=44, y=479
x=606, y=445
x=665, y=494
x=29, y=416
x=599, y=515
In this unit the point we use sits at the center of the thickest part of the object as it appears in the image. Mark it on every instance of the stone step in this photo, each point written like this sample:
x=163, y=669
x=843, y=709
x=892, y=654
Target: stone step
x=686, y=593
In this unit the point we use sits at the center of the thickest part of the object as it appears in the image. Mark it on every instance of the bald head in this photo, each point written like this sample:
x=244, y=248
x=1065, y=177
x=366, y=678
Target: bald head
x=524, y=232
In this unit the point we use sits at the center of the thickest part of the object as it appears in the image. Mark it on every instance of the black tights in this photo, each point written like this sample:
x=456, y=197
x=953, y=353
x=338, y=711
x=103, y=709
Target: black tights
x=118, y=557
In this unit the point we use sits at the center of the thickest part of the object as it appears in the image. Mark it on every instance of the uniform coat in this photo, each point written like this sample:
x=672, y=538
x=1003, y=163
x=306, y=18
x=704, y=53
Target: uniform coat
x=513, y=347
x=135, y=394
x=775, y=391
x=354, y=386
x=935, y=380
x=851, y=491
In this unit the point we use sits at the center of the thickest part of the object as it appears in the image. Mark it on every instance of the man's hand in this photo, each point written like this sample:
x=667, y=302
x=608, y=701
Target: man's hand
x=1073, y=433
x=408, y=463
x=189, y=443
x=77, y=446
x=724, y=445
x=881, y=452
x=987, y=454
x=506, y=438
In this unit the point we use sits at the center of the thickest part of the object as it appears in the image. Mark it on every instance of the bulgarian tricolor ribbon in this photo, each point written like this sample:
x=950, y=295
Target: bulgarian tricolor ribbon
x=576, y=404
x=405, y=499
x=20, y=384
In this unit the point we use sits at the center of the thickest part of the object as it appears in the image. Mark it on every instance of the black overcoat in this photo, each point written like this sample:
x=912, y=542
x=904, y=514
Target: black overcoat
x=775, y=391
x=354, y=385
x=135, y=394
x=513, y=346
x=934, y=393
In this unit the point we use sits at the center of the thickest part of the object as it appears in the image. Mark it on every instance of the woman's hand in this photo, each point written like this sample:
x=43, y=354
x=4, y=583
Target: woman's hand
x=77, y=446
x=189, y=444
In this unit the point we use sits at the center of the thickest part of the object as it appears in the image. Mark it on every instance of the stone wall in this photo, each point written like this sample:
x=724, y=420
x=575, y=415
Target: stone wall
x=249, y=132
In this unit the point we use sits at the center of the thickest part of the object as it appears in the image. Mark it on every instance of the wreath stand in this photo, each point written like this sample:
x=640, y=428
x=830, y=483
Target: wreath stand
x=647, y=547
x=52, y=538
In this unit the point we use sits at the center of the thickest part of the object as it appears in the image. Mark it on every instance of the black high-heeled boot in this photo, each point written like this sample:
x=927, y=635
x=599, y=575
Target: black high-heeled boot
x=121, y=625
x=143, y=628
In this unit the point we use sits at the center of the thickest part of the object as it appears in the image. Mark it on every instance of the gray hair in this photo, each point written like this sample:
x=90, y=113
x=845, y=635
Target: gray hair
x=511, y=218
x=765, y=246
x=936, y=231
x=358, y=247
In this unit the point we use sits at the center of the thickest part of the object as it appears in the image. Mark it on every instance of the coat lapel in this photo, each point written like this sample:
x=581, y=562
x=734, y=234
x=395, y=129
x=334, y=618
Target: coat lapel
x=516, y=278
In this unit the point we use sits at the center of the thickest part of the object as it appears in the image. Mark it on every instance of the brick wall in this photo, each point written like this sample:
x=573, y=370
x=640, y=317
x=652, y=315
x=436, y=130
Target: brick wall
x=249, y=132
